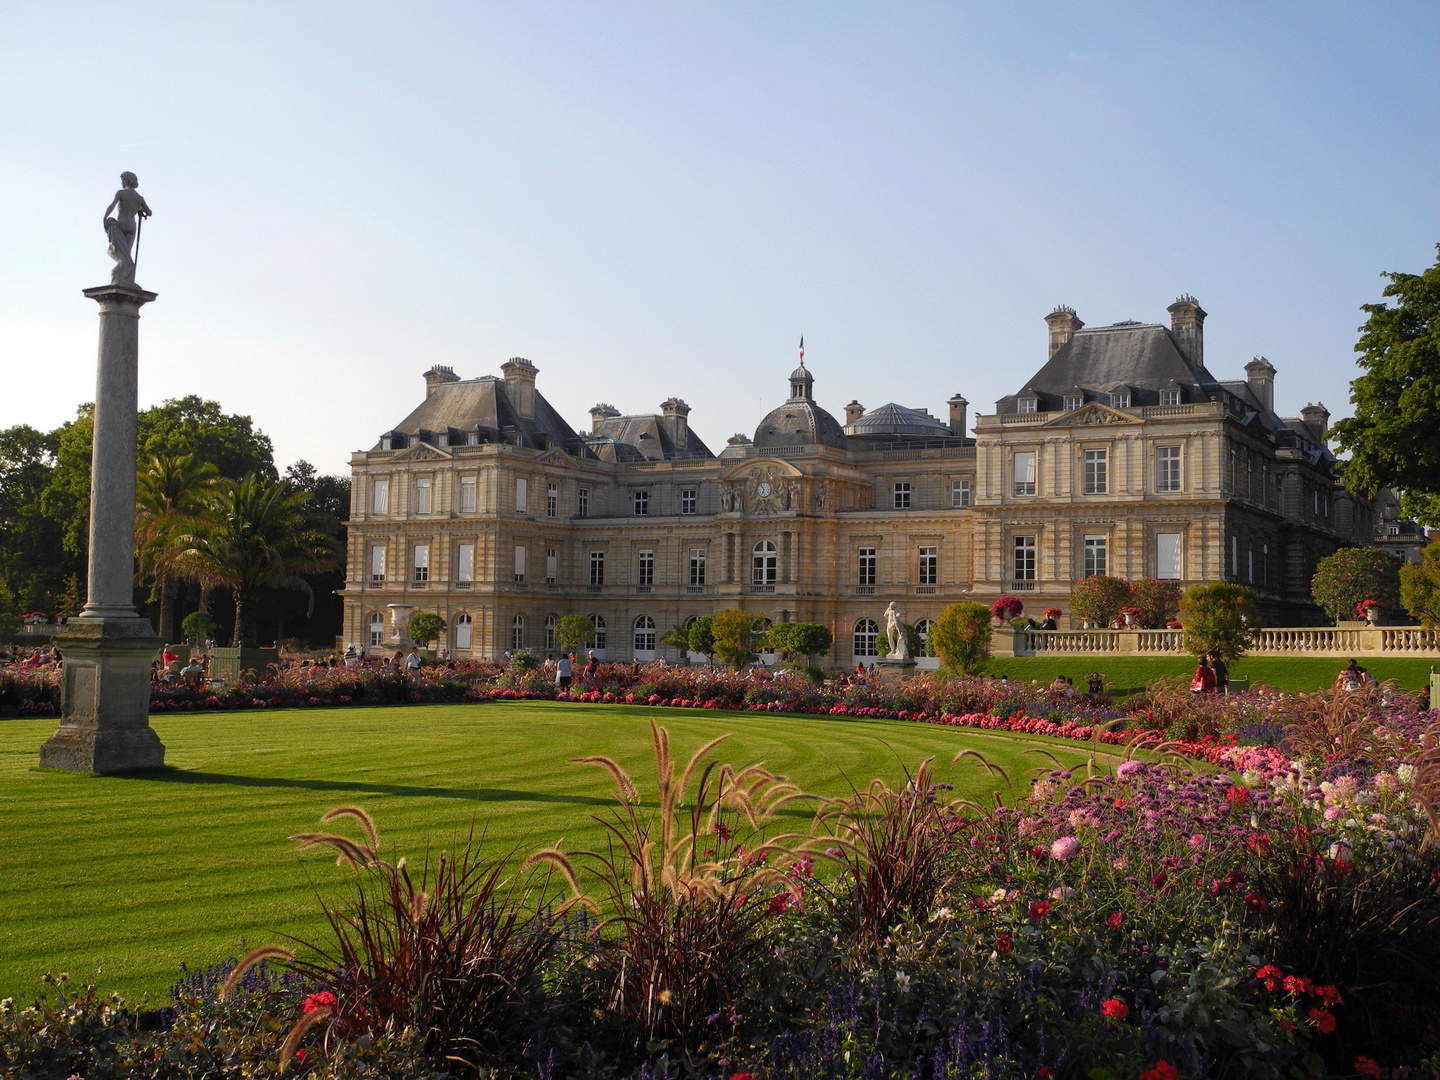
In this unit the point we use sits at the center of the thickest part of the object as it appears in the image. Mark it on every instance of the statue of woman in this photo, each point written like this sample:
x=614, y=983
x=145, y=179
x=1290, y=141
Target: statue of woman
x=121, y=229
x=895, y=633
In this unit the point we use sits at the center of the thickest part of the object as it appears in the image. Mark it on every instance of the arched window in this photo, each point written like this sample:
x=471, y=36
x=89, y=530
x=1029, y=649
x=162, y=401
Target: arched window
x=550, y=621
x=762, y=630
x=866, y=633
x=597, y=634
x=377, y=628
x=644, y=634
x=923, y=629
x=763, y=564
x=462, y=633
x=517, y=633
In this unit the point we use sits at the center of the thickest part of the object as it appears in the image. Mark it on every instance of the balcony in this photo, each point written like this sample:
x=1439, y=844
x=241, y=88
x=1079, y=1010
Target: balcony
x=864, y=590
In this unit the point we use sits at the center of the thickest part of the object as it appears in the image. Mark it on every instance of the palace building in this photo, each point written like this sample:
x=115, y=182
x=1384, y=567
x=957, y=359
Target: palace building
x=1122, y=455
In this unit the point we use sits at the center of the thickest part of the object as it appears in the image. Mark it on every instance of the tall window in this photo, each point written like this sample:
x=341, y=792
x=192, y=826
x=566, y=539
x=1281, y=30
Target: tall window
x=923, y=628
x=1096, y=472
x=867, y=566
x=522, y=496
x=928, y=566
x=646, y=573
x=552, y=566
x=597, y=633
x=644, y=634
x=517, y=633
x=465, y=568
x=583, y=509
x=377, y=629
x=1024, y=558
x=597, y=568
x=1025, y=472
x=689, y=500
x=960, y=493
x=423, y=501
x=697, y=566
x=462, y=633
x=422, y=562
x=1167, y=468
x=1167, y=556
x=1235, y=555
x=467, y=494
x=380, y=497
x=519, y=563
x=1264, y=564
x=550, y=623
x=1095, y=556
x=642, y=503
x=764, y=564
x=1169, y=397
x=866, y=633
x=902, y=495
x=552, y=501
x=377, y=563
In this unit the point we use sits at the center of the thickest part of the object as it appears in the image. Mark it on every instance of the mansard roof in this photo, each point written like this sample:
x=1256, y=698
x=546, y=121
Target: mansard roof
x=643, y=438
x=482, y=405
x=1143, y=356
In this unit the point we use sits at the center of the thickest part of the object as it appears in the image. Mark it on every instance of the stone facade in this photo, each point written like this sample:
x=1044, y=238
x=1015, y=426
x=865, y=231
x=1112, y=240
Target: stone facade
x=1122, y=455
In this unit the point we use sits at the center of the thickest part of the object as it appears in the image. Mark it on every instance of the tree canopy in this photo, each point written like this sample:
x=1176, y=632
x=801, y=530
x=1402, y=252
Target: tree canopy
x=1351, y=575
x=1394, y=437
x=1219, y=618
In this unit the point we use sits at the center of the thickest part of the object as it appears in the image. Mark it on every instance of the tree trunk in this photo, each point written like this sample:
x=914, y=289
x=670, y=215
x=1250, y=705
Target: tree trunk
x=242, y=614
x=166, y=619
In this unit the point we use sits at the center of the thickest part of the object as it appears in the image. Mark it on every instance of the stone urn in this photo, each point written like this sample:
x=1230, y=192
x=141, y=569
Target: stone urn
x=1372, y=614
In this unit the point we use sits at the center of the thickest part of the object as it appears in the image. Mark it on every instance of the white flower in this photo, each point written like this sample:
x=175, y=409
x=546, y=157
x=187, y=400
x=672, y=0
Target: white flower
x=1406, y=773
x=998, y=896
x=903, y=980
x=940, y=914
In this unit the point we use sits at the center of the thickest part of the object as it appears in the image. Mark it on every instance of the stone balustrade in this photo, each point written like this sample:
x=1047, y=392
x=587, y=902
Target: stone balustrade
x=1283, y=641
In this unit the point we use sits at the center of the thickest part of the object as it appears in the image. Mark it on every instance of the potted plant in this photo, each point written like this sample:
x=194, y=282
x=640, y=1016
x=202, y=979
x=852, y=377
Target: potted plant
x=1369, y=610
x=1006, y=608
x=1131, y=614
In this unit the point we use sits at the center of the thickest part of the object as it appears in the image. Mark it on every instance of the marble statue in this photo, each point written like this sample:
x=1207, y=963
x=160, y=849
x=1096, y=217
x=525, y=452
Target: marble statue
x=124, y=228
x=895, y=633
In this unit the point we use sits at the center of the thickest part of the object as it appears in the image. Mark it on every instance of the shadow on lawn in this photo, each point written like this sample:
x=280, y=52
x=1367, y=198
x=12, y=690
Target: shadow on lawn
x=186, y=776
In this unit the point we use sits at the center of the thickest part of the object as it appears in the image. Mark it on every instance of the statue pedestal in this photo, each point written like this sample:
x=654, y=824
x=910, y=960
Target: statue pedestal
x=105, y=698
x=893, y=671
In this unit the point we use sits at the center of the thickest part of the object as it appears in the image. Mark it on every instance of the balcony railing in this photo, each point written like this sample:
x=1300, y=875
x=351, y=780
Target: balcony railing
x=1335, y=641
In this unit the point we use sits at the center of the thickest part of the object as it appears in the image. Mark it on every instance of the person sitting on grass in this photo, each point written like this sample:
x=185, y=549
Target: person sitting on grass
x=1095, y=683
x=1204, y=680
x=1063, y=684
x=1350, y=677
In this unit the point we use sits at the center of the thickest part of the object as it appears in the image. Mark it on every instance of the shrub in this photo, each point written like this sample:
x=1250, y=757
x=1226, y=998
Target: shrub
x=736, y=635
x=792, y=639
x=572, y=632
x=1098, y=599
x=961, y=637
x=198, y=626
x=1156, y=601
x=1351, y=575
x=1219, y=618
x=426, y=627
x=1006, y=608
x=702, y=641
x=1420, y=588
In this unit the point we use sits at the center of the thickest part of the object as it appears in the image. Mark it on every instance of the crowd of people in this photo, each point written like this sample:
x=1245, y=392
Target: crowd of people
x=42, y=659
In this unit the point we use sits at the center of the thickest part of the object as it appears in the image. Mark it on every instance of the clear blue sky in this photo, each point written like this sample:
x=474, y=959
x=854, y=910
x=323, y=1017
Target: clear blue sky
x=658, y=199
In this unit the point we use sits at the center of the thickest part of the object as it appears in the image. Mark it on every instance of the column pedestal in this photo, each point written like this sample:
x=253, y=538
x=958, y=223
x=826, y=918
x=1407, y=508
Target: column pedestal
x=105, y=698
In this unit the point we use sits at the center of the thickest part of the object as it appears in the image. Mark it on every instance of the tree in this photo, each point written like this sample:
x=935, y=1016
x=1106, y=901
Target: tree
x=198, y=626
x=257, y=538
x=1219, y=618
x=33, y=566
x=677, y=638
x=173, y=494
x=1394, y=436
x=792, y=639
x=1351, y=575
x=961, y=637
x=1420, y=587
x=736, y=634
x=425, y=627
x=1157, y=600
x=702, y=641
x=1098, y=599
x=572, y=631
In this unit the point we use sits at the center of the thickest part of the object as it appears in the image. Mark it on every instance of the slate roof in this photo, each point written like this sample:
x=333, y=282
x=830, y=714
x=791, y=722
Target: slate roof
x=893, y=419
x=454, y=409
x=642, y=438
x=799, y=422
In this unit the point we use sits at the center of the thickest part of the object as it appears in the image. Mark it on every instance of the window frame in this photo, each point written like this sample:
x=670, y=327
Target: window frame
x=1032, y=484
x=689, y=501
x=420, y=562
x=467, y=494
x=597, y=566
x=582, y=506
x=645, y=567
x=1169, y=398
x=902, y=495
x=1167, y=469
x=522, y=495
x=764, y=564
x=380, y=496
x=697, y=566
x=1096, y=473
x=378, y=558
x=641, y=497
x=960, y=494
x=929, y=564
x=465, y=562
x=1095, y=555
x=552, y=500
x=868, y=563
x=643, y=634
x=865, y=638
x=1024, y=560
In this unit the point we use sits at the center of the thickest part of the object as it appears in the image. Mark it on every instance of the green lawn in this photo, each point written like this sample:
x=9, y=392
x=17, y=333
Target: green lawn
x=135, y=875
x=1129, y=674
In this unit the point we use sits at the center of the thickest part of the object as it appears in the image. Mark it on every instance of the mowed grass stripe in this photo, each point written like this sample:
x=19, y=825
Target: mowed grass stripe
x=137, y=875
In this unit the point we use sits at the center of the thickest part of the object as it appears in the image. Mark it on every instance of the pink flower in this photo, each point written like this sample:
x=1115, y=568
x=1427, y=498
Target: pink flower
x=1197, y=841
x=1065, y=848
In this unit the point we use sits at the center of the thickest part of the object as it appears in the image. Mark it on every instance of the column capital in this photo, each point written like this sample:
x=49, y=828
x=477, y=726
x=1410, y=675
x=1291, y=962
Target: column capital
x=112, y=297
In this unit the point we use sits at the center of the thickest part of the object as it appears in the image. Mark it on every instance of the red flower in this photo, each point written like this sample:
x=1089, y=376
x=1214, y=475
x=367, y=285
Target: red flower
x=1158, y=879
x=1270, y=974
x=1115, y=920
x=1114, y=1009
x=1161, y=1070
x=1329, y=995
x=744, y=1076
x=1368, y=1066
x=1255, y=902
x=1258, y=842
x=1039, y=910
x=1043, y=1073
x=323, y=1000
x=1323, y=1020
x=1003, y=943
x=1121, y=803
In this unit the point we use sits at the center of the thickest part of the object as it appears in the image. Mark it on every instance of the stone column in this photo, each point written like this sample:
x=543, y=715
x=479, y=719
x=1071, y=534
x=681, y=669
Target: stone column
x=105, y=703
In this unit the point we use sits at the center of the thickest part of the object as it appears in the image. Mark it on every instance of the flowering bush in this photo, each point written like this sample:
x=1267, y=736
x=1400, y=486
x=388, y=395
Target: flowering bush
x=1344, y=579
x=1098, y=599
x=1006, y=608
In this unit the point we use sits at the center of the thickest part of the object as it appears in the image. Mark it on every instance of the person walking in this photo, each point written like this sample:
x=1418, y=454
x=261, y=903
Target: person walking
x=564, y=672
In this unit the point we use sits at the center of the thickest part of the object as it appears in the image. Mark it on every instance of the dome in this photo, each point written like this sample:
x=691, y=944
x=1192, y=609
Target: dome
x=801, y=374
x=892, y=419
x=799, y=422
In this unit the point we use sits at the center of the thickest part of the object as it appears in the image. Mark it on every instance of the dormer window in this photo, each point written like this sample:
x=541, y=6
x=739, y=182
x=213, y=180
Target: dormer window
x=472, y=438
x=1169, y=397
x=385, y=442
x=1120, y=399
x=1073, y=401
x=1026, y=404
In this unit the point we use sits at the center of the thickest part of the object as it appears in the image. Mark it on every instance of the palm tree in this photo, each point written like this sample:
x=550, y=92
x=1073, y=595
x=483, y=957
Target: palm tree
x=173, y=494
x=258, y=537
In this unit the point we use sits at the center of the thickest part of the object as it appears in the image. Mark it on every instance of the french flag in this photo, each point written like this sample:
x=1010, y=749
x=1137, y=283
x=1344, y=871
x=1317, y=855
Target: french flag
x=802, y=347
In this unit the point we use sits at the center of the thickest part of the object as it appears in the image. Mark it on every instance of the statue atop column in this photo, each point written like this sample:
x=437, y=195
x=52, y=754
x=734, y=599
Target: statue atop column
x=895, y=633
x=124, y=229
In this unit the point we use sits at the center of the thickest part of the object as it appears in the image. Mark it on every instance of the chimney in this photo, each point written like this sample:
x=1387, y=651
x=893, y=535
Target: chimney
x=957, y=415
x=599, y=414
x=677, y=422
x=853, y=411
x=1317, y=419
x=438, y=374
x=520, y=386
x=1260, y=374
x=1187, y=324
x=1063, y=323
